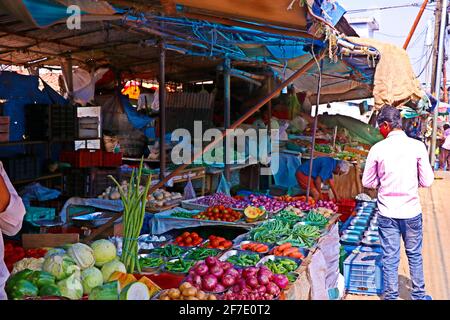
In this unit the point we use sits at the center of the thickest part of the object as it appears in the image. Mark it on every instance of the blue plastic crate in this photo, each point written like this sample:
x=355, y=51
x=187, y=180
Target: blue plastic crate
x=363, y=273
x=38, y=213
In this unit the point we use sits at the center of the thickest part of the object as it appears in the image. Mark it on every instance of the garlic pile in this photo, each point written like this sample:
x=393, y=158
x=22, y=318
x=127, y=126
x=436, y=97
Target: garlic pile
x=112, y=193
x=161, y=198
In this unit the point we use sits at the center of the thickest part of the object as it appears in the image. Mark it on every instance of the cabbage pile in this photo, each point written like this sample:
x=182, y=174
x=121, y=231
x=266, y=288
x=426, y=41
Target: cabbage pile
x=81, y=268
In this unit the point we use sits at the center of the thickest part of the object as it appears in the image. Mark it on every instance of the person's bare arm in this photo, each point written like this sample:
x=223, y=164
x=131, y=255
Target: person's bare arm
x=330, y=182
x=4, y=195
x=318, y=184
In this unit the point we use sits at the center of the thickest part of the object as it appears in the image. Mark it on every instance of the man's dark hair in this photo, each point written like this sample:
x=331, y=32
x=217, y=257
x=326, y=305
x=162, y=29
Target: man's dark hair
x=446, y=126
x=390, y=115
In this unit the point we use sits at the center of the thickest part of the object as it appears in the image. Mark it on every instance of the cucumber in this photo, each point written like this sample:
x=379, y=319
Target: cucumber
x=135, y=291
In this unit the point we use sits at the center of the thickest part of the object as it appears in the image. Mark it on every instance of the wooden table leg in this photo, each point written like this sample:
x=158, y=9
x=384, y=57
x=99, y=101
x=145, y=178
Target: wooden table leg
x=203, y=185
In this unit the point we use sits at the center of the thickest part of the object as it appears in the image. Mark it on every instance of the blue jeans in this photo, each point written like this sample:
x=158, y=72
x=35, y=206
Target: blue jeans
x=411, y=232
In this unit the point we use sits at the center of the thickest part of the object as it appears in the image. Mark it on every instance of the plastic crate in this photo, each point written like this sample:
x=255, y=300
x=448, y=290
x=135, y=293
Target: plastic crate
x=22, y=167
x=363, y=273
x=38, y=213
x=83, y=158
x=111, y=159
x=87, y=182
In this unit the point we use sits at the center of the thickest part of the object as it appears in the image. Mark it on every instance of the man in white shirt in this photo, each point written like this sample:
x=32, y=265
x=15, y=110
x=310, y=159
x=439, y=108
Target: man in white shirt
x=398, y=166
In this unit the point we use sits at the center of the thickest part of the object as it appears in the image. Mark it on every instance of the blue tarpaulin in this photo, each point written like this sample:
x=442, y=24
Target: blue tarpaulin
x=18, y=91
x=138, y=120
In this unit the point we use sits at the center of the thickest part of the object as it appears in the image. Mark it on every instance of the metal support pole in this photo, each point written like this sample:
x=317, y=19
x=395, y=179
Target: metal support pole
x=416, y=22
x=316, y=120
x=269, y=109
x=162, y=109
x=227, y=119
x=70, y=78
x=335, y=136
x=269, y=105
x=437, y=89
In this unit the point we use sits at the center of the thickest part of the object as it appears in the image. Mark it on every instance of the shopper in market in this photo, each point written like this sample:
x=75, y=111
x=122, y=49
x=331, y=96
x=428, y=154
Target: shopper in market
x=444, y=152
x=322, y=172
x=12, y=211
x=397, y=166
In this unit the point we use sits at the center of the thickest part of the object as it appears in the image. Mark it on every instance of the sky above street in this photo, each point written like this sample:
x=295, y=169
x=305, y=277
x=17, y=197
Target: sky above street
x=394, y=26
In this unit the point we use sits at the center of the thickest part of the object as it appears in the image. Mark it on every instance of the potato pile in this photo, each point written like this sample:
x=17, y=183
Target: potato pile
x=186, y=292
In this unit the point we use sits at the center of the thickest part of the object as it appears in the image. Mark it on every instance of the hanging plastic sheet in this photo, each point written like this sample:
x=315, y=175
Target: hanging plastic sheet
x=224, y=186
x=139, y=121
x=284, y=173
x=358, y=130
x=189, y=192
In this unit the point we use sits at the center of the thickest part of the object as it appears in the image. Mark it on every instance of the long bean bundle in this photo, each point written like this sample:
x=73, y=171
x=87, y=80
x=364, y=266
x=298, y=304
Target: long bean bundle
x=134, y=202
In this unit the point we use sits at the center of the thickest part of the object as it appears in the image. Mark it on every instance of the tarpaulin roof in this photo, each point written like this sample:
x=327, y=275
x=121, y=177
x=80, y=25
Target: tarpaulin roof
x=44, y=13
x=198, y=34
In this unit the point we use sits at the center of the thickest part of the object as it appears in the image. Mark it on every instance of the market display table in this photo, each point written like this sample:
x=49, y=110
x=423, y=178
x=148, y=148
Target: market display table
x=319, y=271
x=317, y=274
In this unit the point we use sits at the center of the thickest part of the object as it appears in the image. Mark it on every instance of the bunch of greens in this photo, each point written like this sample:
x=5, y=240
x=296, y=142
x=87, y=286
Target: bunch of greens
x=134, y=202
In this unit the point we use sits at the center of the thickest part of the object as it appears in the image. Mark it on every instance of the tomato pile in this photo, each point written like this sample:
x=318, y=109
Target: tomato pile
x=219, y=213
x=188, y=239
x=218, y=243
x=14, y=253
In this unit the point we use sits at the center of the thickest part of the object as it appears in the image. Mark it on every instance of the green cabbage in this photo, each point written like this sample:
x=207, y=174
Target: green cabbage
x=55, y=252
x=109, y=268
x=91, y=278
x=49, y=290
x=104, y=251
x=61, y=266
x=82, y=254
x=21, y=289
x=71, y=287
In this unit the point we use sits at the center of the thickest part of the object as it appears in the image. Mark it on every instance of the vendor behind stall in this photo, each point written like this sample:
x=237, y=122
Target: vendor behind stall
x=322, y=171
x=12, y=211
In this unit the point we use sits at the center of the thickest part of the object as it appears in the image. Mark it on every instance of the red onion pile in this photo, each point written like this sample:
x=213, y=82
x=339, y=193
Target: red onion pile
x=327, y=204
x=257, y=284
x=304, y=206
x=221, y=199
x=269, y=204
x=252, y=283
x=213, y=275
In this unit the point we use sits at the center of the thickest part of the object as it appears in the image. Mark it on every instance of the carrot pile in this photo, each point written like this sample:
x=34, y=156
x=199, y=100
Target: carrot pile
x=287, y=250
x=256, y=247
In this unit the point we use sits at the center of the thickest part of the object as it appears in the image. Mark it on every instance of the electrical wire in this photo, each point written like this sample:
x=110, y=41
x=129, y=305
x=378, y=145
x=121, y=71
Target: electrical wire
x=386, y=8
x=426, y=63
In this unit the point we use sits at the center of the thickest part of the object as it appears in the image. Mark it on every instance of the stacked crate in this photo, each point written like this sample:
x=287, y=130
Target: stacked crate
x=63, y=122
x=22, y=167
x=37, y=121
x=87, y=182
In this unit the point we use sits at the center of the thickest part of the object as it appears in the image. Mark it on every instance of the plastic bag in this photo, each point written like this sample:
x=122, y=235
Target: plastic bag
x=155, y=102
x=189, y=192
x=298, y=124
x=283, y=133
x=224, y=186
